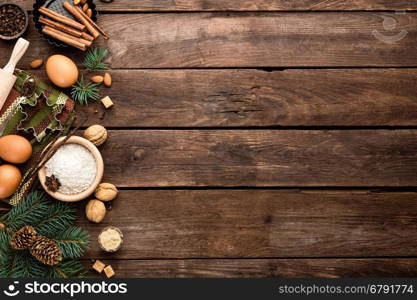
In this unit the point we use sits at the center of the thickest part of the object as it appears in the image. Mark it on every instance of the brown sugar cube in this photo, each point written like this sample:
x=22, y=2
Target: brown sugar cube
x=99, y=266
x=109, y=271
x=107, y=102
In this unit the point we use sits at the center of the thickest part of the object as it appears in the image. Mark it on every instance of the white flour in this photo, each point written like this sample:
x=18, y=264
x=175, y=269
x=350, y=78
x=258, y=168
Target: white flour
x=75, y=168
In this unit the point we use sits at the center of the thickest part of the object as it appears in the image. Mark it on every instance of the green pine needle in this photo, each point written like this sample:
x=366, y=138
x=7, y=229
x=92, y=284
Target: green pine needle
x=82, y=92
x=72, y=242
x=93, y=60
x=49, y=218
x=66, y=269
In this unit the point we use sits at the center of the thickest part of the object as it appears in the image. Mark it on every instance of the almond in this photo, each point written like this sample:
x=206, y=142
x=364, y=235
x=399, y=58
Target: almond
x=85, y=7
x=83, y=1
x=76, y=2
x=36, y=63
x=107, y=80
x=97, y=79
x=89, y=13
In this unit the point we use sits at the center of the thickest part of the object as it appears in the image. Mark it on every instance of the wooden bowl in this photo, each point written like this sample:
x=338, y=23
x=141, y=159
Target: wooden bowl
x=99, y=176
x=13, y=37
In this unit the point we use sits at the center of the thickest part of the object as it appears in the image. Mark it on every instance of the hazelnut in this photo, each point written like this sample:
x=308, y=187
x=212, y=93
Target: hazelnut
x=106, y=192
x=95, y=211
x=96, y=134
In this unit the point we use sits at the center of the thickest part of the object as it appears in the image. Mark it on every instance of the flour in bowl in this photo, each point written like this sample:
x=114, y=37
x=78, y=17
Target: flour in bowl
x=75, y=168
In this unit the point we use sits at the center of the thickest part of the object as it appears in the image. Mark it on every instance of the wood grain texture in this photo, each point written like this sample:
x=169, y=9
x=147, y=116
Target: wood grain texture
x=249, y=40
x=259, y=224
x=248, y=5
x=260, y=268
x=163, y=158
x=239, y=98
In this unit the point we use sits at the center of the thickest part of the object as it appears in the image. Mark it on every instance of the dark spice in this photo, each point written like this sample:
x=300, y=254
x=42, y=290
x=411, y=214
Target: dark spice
x=52, y=183
x=12, y=20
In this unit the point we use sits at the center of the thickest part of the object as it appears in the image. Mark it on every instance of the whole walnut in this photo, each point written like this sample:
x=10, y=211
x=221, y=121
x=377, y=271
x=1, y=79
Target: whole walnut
x=106, y=192
x=96, y=134
x=95, y=211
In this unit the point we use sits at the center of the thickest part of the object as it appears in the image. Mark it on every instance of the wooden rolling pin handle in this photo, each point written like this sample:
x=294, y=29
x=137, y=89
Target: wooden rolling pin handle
x=7, y=79
x=18, y=51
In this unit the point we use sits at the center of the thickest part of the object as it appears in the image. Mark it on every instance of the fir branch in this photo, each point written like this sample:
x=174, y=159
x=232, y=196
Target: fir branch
x=30, y=210
x=51, y=219
x=93, y=60
x=27, y=267
x=82, y=91
x=67, y=269
x=72, y=242
x=58, y=218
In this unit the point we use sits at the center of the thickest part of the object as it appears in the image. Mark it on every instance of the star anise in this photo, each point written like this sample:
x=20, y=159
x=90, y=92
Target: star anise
x=52, y=183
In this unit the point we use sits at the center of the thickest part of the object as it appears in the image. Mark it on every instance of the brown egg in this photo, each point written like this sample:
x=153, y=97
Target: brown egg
x=15, y=149
x=10, y=178
x=61, y=70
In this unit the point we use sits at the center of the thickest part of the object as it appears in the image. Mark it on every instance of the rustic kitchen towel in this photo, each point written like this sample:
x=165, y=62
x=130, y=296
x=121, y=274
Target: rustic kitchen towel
x=37, y=112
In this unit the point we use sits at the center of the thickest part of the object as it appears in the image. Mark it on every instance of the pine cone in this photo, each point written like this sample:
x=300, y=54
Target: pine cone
x=23, y=238
x=46, y=251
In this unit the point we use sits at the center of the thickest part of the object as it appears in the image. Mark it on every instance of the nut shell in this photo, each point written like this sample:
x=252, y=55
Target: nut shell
x=95, y=211
x=106, y=192
x=96, y=134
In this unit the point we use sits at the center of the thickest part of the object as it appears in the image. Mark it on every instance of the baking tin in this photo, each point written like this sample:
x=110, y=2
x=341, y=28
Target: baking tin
x=5, y=37
x=56, y=5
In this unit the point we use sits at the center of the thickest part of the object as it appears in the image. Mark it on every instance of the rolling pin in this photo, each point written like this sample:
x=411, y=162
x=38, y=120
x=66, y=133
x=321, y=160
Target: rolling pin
x=7, y=79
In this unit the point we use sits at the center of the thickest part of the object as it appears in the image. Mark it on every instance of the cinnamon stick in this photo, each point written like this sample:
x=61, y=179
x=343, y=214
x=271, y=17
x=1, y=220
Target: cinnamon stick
x=63, y=38
x=86, y=36
x=105, y=36
x=72, y=10
x=81, y=40
x=60, y=26
x=60, y=18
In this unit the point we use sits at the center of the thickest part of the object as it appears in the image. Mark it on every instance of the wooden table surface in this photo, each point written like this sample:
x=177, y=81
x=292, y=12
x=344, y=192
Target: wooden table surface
x=258, y=138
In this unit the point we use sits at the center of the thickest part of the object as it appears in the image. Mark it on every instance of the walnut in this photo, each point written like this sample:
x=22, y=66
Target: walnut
x=96, y=134
x=95, y=211
x=106, y=192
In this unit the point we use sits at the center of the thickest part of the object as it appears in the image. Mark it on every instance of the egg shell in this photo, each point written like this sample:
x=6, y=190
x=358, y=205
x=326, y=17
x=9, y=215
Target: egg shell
x=10, y=178
x=15, y=149
x=61, y=70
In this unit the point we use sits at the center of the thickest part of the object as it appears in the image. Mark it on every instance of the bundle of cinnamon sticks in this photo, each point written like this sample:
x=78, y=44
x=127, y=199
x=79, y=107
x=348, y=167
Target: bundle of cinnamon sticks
x=79, y=34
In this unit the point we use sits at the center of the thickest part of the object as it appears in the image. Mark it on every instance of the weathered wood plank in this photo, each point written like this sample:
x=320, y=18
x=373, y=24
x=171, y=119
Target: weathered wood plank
x=258, y=268
x=221, y=98
x=250, y=40
x=248, y=5
x=260, y=223
x=143, y=158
